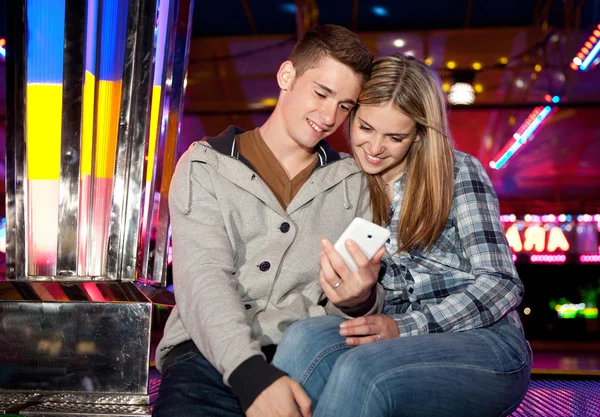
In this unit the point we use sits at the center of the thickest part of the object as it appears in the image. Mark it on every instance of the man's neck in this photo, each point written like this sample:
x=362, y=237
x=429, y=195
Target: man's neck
x=292, y=157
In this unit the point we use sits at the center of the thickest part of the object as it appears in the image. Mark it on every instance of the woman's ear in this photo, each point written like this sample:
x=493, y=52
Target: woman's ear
x=285, y=75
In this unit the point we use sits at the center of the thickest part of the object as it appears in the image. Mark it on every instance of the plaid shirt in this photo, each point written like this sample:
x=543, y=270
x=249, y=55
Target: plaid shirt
x=468, y=279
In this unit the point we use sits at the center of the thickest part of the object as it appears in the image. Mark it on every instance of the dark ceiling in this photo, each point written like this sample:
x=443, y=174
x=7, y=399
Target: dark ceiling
x=263, y=17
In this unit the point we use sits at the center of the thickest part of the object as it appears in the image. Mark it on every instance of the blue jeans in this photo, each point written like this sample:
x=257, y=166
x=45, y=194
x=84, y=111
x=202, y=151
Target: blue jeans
x=482, y=372
x=192, y=387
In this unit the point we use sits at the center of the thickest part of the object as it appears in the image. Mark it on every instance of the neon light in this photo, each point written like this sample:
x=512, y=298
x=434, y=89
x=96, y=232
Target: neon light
x=535, y=237
x=525, y=131
x=514, y=239
x=571, y=311
x=548, y=259
x=590, y=57
x=588, y=52
x=589, y=259
x=2, y=52
x=557, y=240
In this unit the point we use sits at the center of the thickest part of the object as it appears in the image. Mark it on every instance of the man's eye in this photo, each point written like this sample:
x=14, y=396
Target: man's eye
x=319, y=94
x=365, y=128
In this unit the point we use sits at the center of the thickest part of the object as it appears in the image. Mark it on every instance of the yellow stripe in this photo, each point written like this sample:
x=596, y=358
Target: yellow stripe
x=88, y=123
x=109, y=101
x=44, y=122
x=153, y=130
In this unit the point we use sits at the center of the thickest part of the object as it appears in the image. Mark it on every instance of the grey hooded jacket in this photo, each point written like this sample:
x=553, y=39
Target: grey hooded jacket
x=244, y=268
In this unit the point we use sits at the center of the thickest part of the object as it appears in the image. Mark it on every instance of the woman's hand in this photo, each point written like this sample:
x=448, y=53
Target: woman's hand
x=367, y=329
x=343, y=287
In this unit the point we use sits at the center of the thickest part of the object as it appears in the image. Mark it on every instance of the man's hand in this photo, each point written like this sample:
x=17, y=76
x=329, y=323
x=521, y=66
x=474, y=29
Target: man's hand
x=280, y=400
x=343, y=287
x=368, y=329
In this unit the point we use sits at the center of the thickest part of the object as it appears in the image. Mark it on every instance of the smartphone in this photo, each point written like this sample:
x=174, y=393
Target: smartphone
x=368, y=236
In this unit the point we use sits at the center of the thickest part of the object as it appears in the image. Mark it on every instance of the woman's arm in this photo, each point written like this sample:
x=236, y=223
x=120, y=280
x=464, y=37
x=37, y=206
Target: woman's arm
x=496, y=289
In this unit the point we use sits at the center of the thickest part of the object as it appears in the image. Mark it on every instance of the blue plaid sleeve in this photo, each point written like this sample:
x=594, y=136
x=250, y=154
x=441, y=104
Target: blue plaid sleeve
x=495, y=288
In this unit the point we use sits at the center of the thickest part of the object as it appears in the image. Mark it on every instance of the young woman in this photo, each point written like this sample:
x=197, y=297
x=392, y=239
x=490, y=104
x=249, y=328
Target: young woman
x=449, y=341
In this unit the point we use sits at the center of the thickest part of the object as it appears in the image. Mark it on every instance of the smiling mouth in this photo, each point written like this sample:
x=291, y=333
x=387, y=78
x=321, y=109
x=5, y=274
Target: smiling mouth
x=315, y=127
x=371, y=158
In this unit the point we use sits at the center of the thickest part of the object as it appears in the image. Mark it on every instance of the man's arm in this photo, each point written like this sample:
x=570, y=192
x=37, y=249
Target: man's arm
x=205, y=289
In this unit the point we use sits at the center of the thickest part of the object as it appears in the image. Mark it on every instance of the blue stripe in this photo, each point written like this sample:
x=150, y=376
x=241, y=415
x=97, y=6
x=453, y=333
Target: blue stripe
x=160, y=39
x=46, y=33
x=90, y=42
x=112, y=42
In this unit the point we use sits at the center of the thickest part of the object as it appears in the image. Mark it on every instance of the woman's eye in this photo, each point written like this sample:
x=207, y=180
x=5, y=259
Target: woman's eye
x=363, y=127
x=319, y=94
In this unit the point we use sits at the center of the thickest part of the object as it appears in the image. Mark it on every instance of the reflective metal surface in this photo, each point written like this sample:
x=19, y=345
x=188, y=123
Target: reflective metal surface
x=133, y=131
x=16, y=69
x=78, y=337
x=81, y=410
x=73, y=76
x=178, y=44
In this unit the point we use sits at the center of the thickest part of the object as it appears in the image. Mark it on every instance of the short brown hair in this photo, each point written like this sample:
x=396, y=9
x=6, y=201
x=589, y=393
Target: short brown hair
x=335, y=42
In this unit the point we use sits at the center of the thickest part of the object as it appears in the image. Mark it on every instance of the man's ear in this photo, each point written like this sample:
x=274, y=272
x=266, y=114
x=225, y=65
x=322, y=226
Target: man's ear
x=285, y=75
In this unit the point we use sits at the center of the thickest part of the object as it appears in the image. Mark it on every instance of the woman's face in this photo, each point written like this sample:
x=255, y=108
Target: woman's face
x=381, y=137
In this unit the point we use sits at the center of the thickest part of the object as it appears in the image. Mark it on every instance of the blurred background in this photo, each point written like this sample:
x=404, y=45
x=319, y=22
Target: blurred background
x=524, y=98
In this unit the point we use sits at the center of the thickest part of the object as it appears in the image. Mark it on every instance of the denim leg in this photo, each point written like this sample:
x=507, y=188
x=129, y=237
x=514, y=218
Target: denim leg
x=309, y=350
x=192, y=387
x=482, y=372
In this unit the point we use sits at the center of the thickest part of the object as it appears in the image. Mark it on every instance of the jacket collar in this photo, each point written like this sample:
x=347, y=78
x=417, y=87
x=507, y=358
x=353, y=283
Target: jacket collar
x=226, y=144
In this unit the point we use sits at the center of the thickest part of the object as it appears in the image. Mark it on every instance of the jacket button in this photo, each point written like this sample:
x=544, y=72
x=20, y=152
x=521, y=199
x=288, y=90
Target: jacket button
x=247, y=306
x=264, y=266
x=285, y=227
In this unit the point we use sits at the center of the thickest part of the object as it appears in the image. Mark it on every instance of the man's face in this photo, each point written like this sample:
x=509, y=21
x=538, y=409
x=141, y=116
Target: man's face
x=317, y=102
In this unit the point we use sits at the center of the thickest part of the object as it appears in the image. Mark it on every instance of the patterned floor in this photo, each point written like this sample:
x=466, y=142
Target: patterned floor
x=545, y=398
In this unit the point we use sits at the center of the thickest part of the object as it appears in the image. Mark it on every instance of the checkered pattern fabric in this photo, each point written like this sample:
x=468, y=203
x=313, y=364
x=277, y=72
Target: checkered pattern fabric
x=467, y=279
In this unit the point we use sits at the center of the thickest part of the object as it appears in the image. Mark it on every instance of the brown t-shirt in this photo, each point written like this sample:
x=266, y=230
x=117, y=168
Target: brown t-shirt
x=252, y=146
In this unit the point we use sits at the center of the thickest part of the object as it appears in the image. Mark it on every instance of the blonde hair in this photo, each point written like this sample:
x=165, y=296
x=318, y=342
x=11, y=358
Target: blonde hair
x=416, y=90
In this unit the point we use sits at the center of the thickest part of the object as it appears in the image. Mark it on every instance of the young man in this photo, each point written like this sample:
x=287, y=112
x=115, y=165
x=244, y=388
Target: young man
x=248, y=212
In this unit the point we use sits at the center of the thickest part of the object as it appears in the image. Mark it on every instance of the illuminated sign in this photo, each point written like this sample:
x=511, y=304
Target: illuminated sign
x=554, y=239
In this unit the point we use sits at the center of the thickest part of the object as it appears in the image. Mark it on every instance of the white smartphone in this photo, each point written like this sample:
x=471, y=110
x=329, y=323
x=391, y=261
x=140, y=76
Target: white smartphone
x=368, y=236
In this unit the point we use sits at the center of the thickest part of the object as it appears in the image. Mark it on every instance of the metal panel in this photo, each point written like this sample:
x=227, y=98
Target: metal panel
x=73, y=76
x=176, y=73
x=133, y=131
x=16, y=69
x=81, y=338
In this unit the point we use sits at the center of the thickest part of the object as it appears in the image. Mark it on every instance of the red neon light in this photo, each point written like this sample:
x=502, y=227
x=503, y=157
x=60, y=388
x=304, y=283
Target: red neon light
x=589, y=259
x=574, y=66
x=588, y=44
x=593, y=39
x=548, y=259
x=596, y=33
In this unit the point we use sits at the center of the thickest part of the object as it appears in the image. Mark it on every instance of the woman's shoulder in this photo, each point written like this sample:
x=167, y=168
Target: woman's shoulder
x=467, y=164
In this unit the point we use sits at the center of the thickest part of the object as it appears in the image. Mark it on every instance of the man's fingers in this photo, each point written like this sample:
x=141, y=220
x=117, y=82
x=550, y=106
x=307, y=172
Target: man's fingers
x=357, y=341
x=364, y=330
x=328, y=271
x=302, y=399
x=328, y=289
x=357, y=254
x=376, y=259
x=335, y=259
